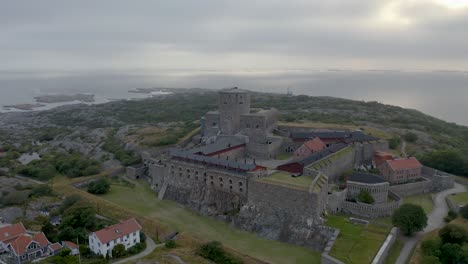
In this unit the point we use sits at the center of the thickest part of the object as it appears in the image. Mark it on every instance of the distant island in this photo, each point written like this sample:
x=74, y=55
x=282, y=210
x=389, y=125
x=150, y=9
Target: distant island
x=23, y=106
x=60, y=98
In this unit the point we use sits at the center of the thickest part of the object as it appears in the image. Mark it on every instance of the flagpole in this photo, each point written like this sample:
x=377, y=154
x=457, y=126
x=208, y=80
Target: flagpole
x=79, y=253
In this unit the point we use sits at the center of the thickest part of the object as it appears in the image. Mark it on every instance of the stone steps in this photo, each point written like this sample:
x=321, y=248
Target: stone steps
x=162, y=191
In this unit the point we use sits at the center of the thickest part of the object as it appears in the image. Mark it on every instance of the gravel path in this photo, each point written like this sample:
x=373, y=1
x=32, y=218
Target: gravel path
x=150, y=247
x=435, y=220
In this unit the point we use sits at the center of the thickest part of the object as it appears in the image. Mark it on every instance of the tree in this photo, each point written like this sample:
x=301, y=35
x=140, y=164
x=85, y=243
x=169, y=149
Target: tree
x=118, y=251
x=365, y=197
x=49, y=231
x=430, y=260
x=100, y=186
x=450, y=161
x=394, y=142
x=65, y=252
x=464, y=211
x=409, y=218
x=430, y=246
x=170, y=244
x=410, y=137
x=453, y=234
x=451, y=254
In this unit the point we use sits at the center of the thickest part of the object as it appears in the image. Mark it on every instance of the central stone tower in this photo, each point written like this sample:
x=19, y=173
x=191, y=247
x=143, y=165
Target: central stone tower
x=233, y=103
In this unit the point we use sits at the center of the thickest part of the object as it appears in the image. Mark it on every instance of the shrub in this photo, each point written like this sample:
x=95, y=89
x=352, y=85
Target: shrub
x=410, y=137
x=464, y=211
x=100, y=186
x=393, y=143
x=453, y=234
x=119, y=251
x=450, y=216
x=365, y=197
x=214, y=251
x=65, y=252
x=430, y=260
x=409, y=218
x=41, y=190
x=137, y=248
x=430, y=246
x=451, y=253
x=170, y=244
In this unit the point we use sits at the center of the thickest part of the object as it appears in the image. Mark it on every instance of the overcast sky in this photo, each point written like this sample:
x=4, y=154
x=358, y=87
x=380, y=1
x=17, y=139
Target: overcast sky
x=216, y=35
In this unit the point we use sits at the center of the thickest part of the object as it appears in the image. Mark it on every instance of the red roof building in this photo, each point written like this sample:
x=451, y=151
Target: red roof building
x=380, y=157
x=309, y=147
x=126, y=233
x=401, y=170
x=12, y=231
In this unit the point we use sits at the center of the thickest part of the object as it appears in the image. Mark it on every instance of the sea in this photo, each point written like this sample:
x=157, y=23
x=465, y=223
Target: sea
x=442, y=94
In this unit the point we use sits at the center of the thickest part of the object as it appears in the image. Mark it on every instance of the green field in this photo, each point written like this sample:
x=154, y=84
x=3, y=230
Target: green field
x=356, y=244
x=394, y=253
x=284, y=156
x=423, y=200
x=144, y=202
x=282, y=177
x=460, y=198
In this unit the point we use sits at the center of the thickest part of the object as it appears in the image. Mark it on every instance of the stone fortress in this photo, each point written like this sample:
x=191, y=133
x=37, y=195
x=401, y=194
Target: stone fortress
x=233, y=171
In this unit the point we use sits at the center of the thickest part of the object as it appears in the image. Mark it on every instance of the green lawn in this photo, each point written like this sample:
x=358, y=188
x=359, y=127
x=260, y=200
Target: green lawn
x=424, y=200
x=284, y=156
x=394, y=253
x=460, y=198
x=284, y=177
x=144, y=202
x=356, y=244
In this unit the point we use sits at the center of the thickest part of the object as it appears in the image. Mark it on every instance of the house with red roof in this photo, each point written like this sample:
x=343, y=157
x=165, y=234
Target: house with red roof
x=55, y=248
x=309, y=147
x=126, y=233
x=72, y=246
x=26, y=248
x=10, y=233
x=401, y=170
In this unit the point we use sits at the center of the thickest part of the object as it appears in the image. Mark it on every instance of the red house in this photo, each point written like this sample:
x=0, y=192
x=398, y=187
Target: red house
x=401, y=170
x=309, y=147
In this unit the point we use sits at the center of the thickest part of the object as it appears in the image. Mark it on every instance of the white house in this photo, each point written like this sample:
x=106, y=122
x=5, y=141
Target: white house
x=126, y=233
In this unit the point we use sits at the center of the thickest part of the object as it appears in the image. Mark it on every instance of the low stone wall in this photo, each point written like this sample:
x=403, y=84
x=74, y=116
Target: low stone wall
x=414, y=188
x=440, y=180
x=334, y=165
x=386, y=247
x=370, y=210
x=327, y=259
x=452, y=205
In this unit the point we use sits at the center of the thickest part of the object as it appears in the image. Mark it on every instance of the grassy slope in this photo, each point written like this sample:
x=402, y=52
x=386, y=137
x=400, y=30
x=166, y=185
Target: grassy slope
x=356, y=244
x=424, y=200
x=143, y=201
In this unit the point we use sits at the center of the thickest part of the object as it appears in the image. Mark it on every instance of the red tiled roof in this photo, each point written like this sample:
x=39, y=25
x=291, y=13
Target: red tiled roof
x=117, y=231
x=315, y=144
x=41, y=239
x=409, y=163
x=11, y=232
x=69, y=244
x=55, y=246
x=20, y=244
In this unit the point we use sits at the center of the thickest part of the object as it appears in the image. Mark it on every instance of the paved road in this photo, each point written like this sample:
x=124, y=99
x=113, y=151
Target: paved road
x=435, y=220
x=150, y=247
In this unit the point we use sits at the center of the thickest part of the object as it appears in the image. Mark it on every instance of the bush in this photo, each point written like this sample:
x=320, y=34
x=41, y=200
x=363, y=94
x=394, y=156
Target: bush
x=137, y=248
x=365, y=197
x=119, y=251
x=450, y=216
x=41, y=190
x=450, y=161
x=65, y=252
x=410, y=137
x=453, y=234
x=464, y=211
x=214, y=251
x=170, y=244
x=393, y=143
x=430, y=260
x=430, y=246
x=100, y=186
x=409, y=218
x=452, y=253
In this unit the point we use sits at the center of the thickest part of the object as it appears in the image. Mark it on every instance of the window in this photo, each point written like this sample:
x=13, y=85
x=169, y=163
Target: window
x=240, y=190
x=220, y=179
x=230, y=181
x=240, y=183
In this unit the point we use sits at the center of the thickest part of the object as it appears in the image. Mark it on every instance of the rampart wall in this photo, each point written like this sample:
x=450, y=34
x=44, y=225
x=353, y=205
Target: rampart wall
x=334, y=165
x=414, y=188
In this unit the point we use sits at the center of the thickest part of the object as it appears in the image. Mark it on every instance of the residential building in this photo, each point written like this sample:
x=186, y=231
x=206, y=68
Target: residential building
x=309, y=147
x=401, y=170
x=55, y=248
x=126, y=233
x=26, y=248
x=10, y=233
x=72, y=246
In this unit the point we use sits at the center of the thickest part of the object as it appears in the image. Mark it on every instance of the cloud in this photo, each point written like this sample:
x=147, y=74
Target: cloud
x=154, y=35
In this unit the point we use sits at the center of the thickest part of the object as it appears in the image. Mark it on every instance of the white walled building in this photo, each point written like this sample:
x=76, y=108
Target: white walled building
x=126, y=233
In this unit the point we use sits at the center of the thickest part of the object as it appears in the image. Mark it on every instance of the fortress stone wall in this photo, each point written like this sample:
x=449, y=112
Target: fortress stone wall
x=413, y=188
x=286, y=213
x=378, y=191
x=372, y=210
x=440, y=180
x=334, y=165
